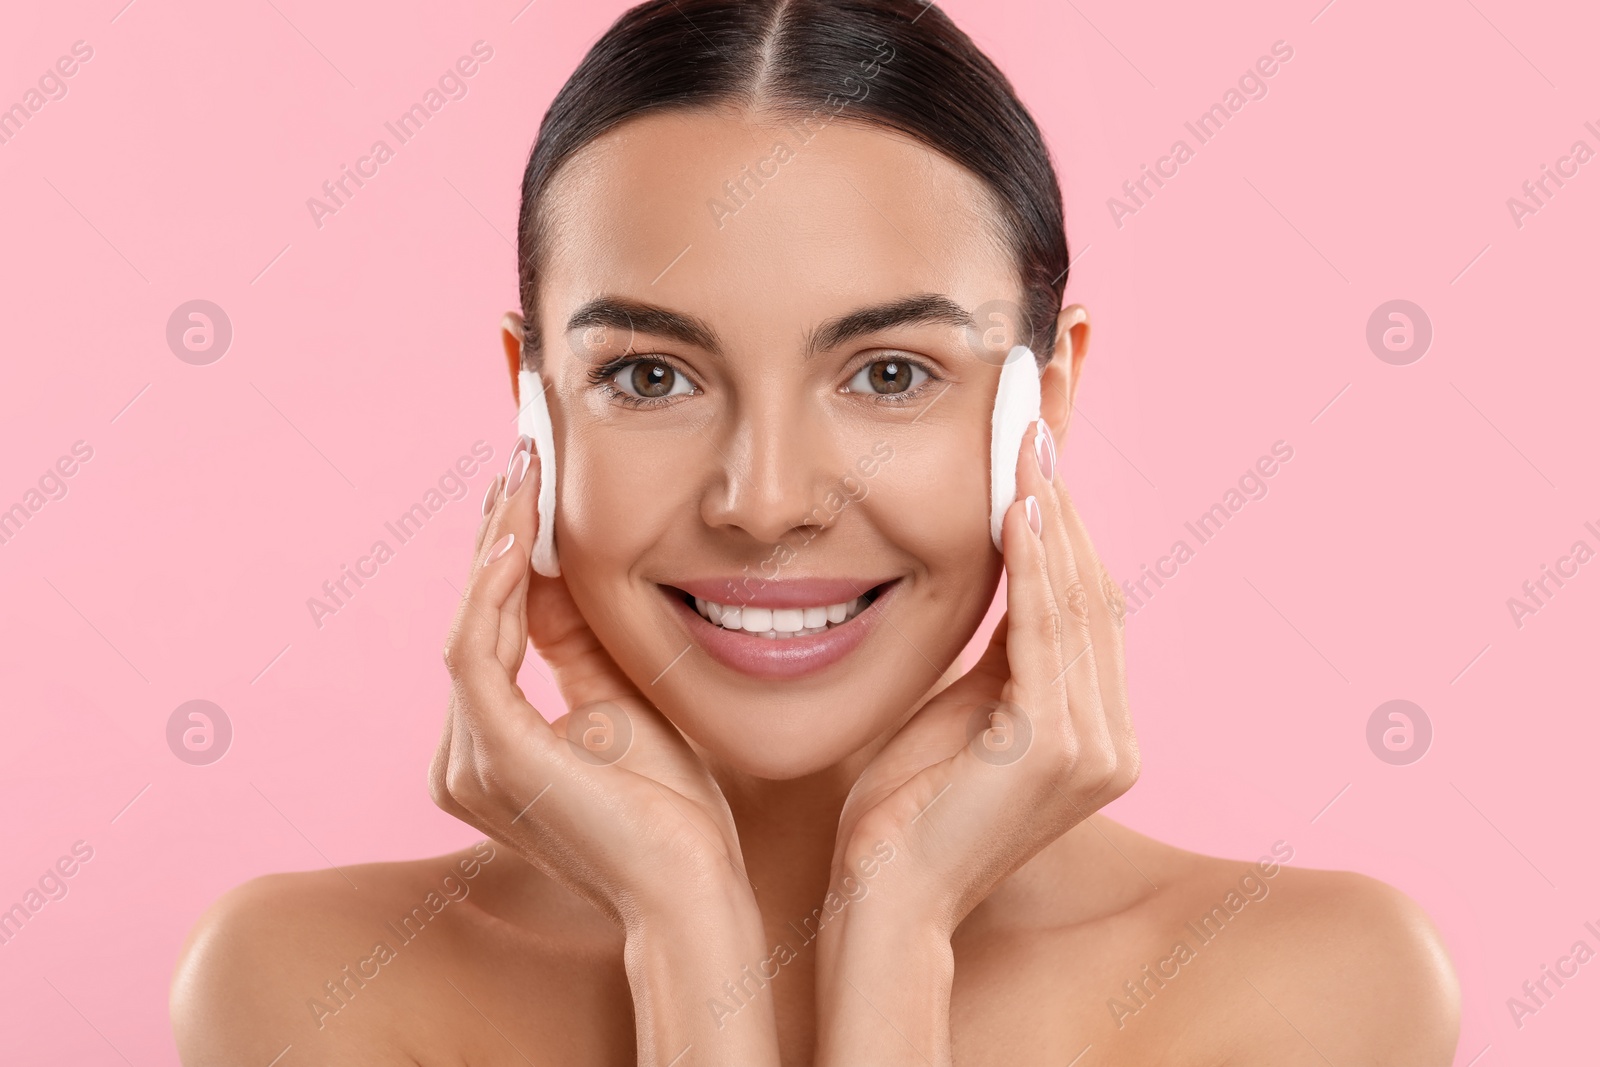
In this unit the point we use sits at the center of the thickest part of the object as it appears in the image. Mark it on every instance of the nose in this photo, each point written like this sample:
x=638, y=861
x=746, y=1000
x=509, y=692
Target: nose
x=775, y=464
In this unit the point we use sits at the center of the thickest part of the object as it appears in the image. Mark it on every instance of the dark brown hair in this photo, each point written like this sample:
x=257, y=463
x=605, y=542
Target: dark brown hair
x=924, y=76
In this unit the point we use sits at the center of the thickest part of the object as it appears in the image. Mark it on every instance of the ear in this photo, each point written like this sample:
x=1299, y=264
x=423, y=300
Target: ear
x=511, y=336
x=1059, y=384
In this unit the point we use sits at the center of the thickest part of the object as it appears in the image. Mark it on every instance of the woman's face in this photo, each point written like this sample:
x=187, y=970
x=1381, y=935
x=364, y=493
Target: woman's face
x=815, y=330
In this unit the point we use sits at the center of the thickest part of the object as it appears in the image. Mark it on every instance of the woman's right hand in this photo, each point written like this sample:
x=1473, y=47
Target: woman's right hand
x=609, y=800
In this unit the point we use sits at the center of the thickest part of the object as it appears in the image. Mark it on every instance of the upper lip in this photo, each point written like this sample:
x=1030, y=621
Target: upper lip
x=745, y=591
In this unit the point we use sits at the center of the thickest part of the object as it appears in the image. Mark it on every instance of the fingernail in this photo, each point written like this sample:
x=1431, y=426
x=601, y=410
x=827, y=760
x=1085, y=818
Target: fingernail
x=1044, y=447
x=488, y=496
x=1035, y=521
x=501, y=547
x=519, y=468
x=523, y=445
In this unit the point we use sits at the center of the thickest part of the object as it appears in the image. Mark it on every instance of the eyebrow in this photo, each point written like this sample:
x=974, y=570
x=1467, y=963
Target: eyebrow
x=908, y=311
x=638, y=317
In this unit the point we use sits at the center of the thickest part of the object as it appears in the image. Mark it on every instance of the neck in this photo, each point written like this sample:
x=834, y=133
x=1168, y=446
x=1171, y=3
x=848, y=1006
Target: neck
x=787, y=828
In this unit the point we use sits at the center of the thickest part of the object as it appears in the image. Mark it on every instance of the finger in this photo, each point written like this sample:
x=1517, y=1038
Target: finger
x=1079, y=681
x=518, y=516
x=1106, y=604
x=494, y=502
x=1106, y=615
x=1033, y=615
x=491, y=497
x=471, y=651
x=437, y=768
x=1098, y=754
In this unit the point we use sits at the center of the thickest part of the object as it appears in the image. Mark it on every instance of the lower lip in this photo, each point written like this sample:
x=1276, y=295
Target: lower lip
x=779, y=657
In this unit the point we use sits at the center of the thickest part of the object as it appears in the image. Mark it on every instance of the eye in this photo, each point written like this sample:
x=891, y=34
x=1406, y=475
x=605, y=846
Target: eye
x=644, y=381
x=889, y=377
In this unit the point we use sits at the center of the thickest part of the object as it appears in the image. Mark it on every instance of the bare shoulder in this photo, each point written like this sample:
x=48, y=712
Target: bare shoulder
x=307, y=960
x=1365, y=962
x=1319, y=965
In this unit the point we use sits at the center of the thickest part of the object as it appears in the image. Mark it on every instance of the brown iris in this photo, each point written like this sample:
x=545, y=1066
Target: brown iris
x=889, y=376
x=653, y=379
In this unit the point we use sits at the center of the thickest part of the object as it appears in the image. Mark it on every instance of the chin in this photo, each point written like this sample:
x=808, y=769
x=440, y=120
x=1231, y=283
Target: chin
x=777, y=738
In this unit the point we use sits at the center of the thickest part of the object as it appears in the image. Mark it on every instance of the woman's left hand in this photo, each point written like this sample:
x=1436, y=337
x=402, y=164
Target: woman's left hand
x=1024, y=746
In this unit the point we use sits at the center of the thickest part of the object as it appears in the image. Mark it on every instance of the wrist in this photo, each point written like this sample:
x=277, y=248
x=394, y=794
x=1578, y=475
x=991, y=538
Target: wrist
x=719, y=906
x=883, y=990
x=679, y=961
x=897, y=903
x=881, y=941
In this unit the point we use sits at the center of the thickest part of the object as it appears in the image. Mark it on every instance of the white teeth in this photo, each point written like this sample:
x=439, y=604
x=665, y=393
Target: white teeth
x=779, y=623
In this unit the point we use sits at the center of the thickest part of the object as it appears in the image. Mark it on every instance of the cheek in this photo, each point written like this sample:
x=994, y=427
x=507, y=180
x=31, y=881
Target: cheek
x=612, y=501
x=931, y=498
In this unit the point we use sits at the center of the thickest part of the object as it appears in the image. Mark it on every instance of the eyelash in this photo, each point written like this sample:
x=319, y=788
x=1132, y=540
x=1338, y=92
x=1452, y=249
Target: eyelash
x=910, y=394
x=602, y=376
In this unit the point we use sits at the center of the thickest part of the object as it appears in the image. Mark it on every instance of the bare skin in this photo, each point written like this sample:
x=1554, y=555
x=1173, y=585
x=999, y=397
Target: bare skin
x=980, y=911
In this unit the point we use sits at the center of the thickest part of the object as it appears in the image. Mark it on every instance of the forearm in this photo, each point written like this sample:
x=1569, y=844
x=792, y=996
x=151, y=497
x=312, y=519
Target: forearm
x=676, y=967
x=883, y=992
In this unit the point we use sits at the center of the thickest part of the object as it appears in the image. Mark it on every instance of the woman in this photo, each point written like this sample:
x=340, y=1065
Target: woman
x=774, y=255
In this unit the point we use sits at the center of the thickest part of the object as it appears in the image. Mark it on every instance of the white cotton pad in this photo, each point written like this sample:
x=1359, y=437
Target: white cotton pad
x=533, y=420
x=1016, y=405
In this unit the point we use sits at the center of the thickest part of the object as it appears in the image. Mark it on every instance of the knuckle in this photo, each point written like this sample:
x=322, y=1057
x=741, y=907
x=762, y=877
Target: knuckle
x=1101, y=771
x=438, y=790
x=1129, y=767
x=1077, y=598
x=1065, y=750
x=1050, y=625
x=875, y=826
x=461, y=780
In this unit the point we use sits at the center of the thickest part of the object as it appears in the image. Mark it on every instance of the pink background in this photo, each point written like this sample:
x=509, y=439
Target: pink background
x=1230, y=312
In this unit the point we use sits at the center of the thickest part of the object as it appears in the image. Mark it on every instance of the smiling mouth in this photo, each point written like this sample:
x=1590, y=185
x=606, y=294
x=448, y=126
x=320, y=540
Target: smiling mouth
x=780, y=624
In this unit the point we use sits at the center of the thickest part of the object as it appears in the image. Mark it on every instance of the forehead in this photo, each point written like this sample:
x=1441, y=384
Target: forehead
x=765, y=225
